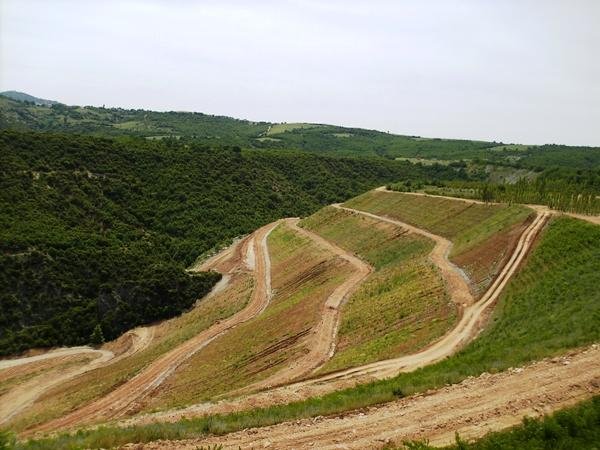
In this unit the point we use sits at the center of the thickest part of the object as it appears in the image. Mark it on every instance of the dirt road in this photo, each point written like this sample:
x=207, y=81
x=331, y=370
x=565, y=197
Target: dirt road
x=25, y=394
x=588, y=218
x=58, y=353
x=323, y=337
x=457, y=282
x=126, y=397
x=472, y=408
x=468, y=326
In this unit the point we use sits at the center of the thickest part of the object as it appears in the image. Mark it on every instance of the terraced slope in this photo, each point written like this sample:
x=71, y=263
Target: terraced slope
x=483, y=235
x=65, y=397
x=402, y=306
x=303, y=276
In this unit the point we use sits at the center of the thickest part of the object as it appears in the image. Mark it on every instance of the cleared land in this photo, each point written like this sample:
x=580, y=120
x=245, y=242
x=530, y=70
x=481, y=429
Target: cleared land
x=473, y=408
x=32, y=386
x=402, y=306
x=483, y=236
x=304, y=275
x=466, y=329
x=321, y=342
x=283, y=127
x=129, y=396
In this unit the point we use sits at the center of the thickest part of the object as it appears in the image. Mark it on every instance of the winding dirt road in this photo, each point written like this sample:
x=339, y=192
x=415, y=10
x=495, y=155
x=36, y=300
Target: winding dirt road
x=457, y=282
x=25, y=394
x=468, y=326
x=323, y=337
x=473, y=408
x=126, y=397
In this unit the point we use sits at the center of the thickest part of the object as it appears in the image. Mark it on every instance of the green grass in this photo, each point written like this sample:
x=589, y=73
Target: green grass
x=482, y=235
x=552, y=305
x=401, y=307
x=577, y=427
x=283, y=127
x=465, y=224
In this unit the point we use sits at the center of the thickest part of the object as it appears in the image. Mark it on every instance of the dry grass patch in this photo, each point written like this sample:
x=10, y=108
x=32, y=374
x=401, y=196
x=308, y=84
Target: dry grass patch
x=402, y=306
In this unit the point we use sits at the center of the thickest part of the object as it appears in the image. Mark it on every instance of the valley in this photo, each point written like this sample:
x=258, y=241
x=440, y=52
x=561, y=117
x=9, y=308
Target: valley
x=345, y=287
x=164, y=288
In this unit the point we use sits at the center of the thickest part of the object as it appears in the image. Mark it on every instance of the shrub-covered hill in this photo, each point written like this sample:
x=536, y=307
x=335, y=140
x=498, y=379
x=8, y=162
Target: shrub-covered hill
x=315, y=138
x=97, y=231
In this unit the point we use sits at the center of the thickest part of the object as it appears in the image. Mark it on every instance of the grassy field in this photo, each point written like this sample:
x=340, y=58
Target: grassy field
x=401, y=307
x=482, y=235
x=552, y=305
x=303, y=276
x=168, y=335
x=283, y=127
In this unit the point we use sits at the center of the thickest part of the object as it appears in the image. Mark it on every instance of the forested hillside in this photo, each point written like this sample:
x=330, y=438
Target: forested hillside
x=331, y=140
x=131, y=122
x=97, y=231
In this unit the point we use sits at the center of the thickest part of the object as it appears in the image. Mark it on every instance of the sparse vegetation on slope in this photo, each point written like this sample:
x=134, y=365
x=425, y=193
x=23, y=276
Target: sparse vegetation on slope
x=303, y=276
x=482, y=235
x=166, y=336
x=551, y=305
x=401, y=307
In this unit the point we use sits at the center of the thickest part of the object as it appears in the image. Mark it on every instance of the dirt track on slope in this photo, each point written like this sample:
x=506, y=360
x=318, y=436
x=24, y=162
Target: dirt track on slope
x=468, y=326
x=455, y=279
x=473, y=408
x=126, y=397
x=24, y=395
x=323, y=337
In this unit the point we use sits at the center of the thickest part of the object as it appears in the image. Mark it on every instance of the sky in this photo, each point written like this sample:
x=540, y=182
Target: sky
x=525, y=71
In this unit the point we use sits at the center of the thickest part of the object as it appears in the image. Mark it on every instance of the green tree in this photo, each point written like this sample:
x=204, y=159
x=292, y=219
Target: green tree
x=97, y=337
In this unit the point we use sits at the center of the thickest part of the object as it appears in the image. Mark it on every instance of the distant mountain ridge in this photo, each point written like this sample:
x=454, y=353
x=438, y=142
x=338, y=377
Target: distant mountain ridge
x=23, y=97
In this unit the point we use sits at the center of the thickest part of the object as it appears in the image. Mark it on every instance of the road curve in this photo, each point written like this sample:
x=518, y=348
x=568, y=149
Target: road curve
x=322, y=340
x=456, y=280
x=126, y=397
x=24, y=395
x=468, y=326
x=58, y=353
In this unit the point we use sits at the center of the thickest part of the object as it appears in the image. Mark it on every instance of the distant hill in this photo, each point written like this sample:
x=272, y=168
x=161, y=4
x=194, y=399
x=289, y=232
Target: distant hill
x=322, y=139
x=23, y=97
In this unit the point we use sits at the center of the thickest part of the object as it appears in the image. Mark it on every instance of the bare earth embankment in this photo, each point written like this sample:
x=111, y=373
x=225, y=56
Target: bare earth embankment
x=473, y=408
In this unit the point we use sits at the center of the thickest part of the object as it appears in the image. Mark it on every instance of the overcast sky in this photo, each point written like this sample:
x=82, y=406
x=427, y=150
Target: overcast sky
x=517, y=71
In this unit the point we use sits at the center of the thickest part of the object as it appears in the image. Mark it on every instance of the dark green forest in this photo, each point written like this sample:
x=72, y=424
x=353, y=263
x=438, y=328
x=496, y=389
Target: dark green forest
x=100, y=231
